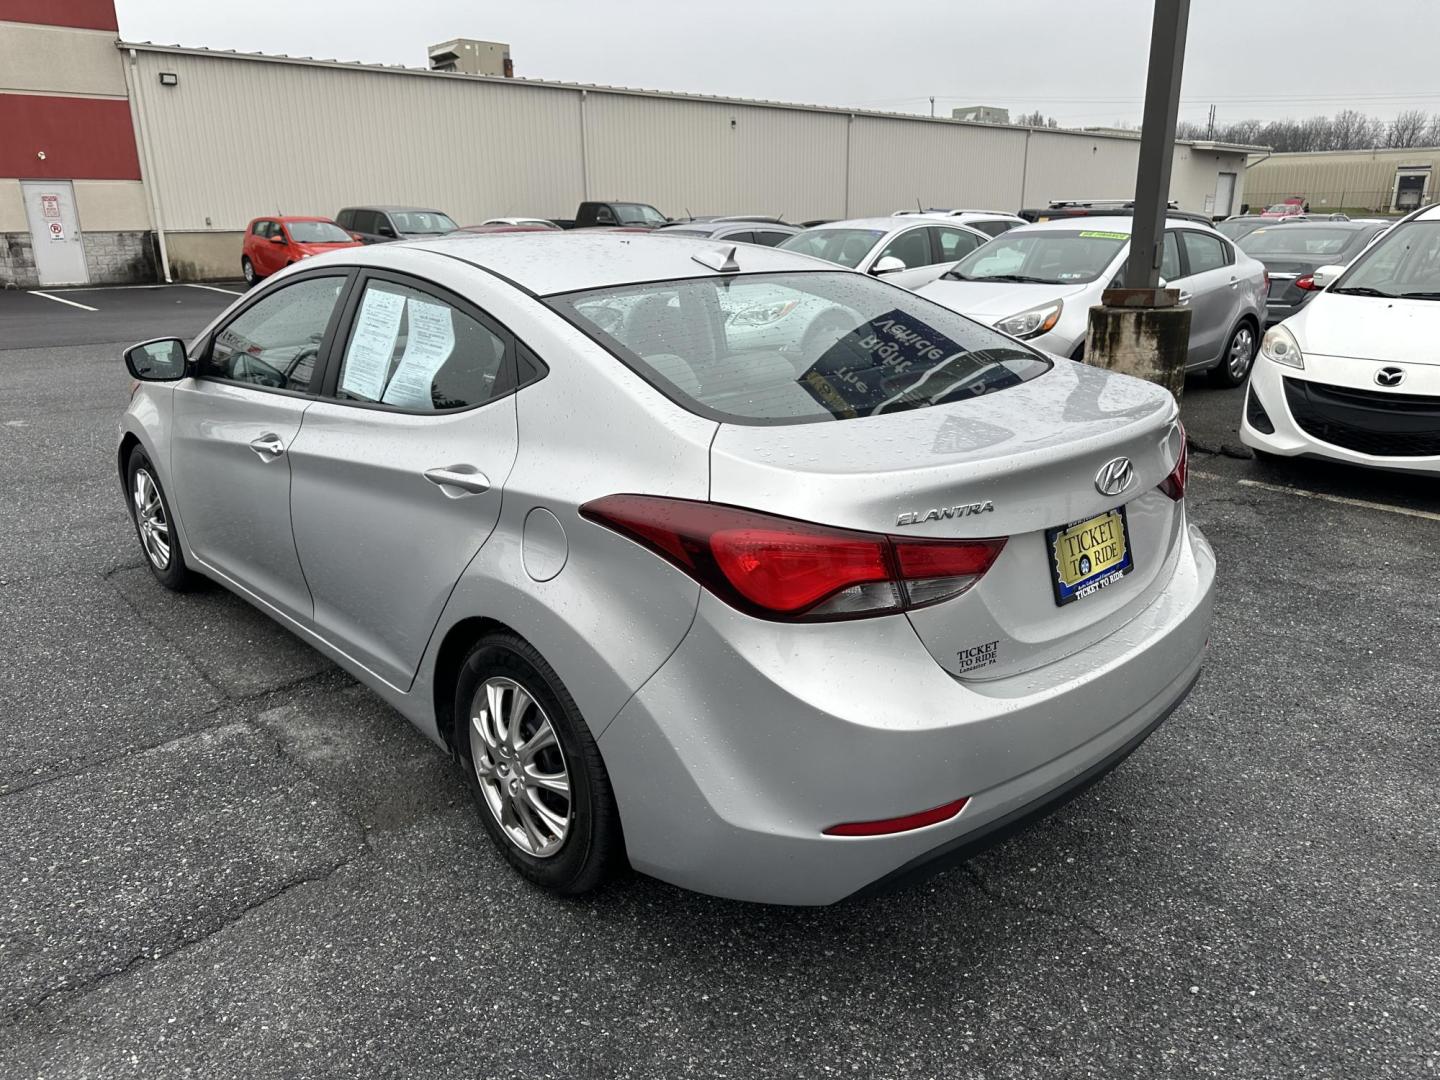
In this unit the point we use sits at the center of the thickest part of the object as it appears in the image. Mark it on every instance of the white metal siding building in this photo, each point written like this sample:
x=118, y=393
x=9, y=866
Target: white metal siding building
x=241, y=135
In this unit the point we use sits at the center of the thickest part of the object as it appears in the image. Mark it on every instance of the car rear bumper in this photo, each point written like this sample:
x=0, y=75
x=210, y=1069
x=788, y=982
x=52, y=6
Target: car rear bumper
x=1332, y=409
x=752, y=739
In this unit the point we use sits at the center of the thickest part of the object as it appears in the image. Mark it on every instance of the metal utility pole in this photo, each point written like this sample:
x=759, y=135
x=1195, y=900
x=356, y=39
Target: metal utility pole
x=932, y=108
x=1157, y=141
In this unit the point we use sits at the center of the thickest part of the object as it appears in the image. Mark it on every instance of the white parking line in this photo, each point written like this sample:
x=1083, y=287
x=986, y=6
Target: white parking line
x=62, y=300
x=212, y=288
x=1306, y=493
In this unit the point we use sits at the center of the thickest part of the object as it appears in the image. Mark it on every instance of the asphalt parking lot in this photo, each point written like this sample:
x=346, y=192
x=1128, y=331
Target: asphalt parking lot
x=220, y=856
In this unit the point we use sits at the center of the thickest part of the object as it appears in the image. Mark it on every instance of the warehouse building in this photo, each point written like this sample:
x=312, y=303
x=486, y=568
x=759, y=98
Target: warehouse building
x=1387, y=181
x=222, y=137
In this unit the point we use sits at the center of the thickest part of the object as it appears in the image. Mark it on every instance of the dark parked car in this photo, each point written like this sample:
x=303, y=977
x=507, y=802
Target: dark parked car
x=634, y=214
x=1292, y=252
x=1069, y=208
x=378, y=224
x=1242, y=225
x=742, y=232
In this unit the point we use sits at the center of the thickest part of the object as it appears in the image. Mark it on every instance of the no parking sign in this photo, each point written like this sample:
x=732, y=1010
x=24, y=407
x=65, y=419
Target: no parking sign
x=57, y=230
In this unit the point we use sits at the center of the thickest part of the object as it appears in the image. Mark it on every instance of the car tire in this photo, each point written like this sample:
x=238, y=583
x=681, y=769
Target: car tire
x=1237, y=359
x=150, y=513
x=570, y=843
x=247, y=268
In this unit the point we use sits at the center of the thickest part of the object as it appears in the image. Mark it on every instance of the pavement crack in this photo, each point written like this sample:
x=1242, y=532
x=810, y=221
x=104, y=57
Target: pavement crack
x=147, y=958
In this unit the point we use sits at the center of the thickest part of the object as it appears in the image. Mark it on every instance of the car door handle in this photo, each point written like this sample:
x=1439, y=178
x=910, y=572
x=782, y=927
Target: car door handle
x=469, y=479
x=1186, y=296
x=1234, y=283
x=269, y=446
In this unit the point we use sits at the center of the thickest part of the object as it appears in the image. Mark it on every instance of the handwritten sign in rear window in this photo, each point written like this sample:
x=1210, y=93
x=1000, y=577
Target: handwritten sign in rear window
x=896, y=362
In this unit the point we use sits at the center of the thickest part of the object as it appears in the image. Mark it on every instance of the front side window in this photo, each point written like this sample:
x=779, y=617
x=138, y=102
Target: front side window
x=956, y=243
x=847, y=247
x=1405, y=262
x=274, y=343
x=317, y=232
x=1049, y=257
x=1204, y=252
x=367, y=221
x=414, y=351
x=912, y=248
x=798, y=347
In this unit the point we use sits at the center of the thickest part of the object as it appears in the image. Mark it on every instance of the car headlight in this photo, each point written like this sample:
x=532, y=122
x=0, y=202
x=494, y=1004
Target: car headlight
x=763, y=314
x=1279, y=345
x=1032, y=323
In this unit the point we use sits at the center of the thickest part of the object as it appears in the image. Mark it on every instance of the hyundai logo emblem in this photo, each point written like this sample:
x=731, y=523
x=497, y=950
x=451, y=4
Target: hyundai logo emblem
x=1390, y=376
x=1115, y=476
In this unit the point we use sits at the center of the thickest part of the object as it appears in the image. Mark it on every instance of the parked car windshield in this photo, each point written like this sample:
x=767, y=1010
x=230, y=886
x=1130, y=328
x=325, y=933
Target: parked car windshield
x=422, y=221
x=1048, y=257
x=847, y=247
x=1300, y=241
x=1284, y=208
x=798, y=347
x=317, y=232
x=638, y=214
x=1405, y=262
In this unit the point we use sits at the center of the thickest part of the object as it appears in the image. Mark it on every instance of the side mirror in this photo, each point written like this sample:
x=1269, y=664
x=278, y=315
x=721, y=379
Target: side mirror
x=278, y=239
x=386, y=230
x=161, y=360
x=357, y=236
x=888, y=265
x=1326, y=275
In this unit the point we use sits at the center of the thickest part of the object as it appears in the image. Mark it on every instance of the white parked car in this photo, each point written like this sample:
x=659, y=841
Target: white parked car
x=543, y=223
x=905, y=250
x=1355, y=376
x=1038, y=283
x=990, y=222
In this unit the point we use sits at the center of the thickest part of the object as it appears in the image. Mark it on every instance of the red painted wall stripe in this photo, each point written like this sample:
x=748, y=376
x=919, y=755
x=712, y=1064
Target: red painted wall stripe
x=84, y=14
x=82, y=138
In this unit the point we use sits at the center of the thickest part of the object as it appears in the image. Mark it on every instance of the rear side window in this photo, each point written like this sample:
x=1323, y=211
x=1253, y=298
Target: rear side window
x=1205, y=252
x=414, y=351
x=769, y=238
x=274, y=343
x=995, y=226
x=743, y=237
x=365, y=221
x=798, y=347
x=260, y=228
x=344, y=218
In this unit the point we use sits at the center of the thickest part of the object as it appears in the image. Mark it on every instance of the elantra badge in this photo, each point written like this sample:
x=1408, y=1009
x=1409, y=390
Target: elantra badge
x=1115, y=476
x=919, y=517
x=1390, y=376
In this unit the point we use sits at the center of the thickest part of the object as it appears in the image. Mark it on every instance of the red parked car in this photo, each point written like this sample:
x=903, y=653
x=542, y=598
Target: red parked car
x=273, y=243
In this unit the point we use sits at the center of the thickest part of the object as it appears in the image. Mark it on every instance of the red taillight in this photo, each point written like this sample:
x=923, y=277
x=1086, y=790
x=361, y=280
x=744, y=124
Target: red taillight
x=899, y=824
x=1266, y=287
x=1307, y=282
x=1174, y=484
x=779, y=568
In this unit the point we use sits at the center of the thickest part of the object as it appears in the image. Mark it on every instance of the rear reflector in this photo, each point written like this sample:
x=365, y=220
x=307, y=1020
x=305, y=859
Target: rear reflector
x=1306, y=283
x=778, y=568
x=1174, y=484
x=887, y=826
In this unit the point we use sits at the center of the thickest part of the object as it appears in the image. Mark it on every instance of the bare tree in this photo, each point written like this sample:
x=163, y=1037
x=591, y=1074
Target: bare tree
x=1408, y=129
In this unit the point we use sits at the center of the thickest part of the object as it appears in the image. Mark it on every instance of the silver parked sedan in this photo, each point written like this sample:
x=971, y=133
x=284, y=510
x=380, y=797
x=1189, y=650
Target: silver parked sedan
x=776, y=618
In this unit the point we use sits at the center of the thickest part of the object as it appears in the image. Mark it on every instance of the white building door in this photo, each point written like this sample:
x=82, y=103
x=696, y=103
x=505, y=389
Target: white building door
x=1224, y=195
x=55, y=232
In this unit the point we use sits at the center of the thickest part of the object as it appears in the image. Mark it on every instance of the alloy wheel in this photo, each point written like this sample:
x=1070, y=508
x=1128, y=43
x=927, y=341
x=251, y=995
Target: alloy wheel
x=520, y=767
x=150, y=519
x=1242, y=351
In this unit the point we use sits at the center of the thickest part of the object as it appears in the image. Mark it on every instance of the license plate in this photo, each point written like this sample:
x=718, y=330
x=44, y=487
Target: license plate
x=1089, y=555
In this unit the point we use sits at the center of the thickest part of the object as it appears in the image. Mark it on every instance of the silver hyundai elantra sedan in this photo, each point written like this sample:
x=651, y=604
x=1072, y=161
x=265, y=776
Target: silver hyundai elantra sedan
x=776, y=610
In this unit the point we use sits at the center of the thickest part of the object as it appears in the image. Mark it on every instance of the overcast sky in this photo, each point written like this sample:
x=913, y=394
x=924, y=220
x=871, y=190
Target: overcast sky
x=1081, y=61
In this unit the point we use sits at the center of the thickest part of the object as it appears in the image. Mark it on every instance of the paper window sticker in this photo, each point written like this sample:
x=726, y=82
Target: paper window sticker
x=372, y=344
x=429, y=342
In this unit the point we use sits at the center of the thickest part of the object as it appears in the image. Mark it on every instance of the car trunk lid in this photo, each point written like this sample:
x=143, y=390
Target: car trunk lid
x=1012, y=463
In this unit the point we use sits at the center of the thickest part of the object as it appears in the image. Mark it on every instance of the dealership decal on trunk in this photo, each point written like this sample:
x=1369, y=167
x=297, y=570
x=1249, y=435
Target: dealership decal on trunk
x=977, y=656
x=919, y=517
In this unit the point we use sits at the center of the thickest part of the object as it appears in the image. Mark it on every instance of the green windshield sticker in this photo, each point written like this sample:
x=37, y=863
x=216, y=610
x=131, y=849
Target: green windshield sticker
x=1104, y=236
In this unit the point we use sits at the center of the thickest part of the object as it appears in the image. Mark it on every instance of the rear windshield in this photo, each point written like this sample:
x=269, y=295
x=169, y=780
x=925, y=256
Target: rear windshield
x=1236, y=229
x=317, y=232
x=1046, y=257
x=798, y=347
x=847, y=247
x=1301, y=241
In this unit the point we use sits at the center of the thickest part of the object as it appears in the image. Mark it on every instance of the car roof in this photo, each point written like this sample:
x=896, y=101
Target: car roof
x=392, y=209
x=291, y=217
x=549, y=262
x=1321, y=223
x=1096, y=223
x=895, y=223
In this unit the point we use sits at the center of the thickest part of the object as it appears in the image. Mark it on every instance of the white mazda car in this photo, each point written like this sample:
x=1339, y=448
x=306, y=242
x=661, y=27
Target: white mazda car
x=1355, y=376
